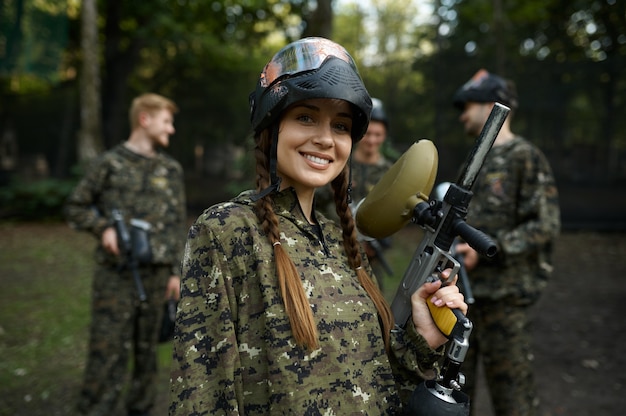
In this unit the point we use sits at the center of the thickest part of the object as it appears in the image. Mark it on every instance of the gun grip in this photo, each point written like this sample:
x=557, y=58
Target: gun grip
x=444, y=317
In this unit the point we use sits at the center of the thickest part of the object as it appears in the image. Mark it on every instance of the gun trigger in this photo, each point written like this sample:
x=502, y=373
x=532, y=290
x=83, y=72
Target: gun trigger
x=446, y=281
x=432, y=278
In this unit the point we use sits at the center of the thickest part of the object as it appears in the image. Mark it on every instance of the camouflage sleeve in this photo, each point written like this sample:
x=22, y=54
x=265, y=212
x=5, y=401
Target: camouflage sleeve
x=80, y=209
x=413, y=353
x=205, y=377
x=182, y=220
x=538, y=213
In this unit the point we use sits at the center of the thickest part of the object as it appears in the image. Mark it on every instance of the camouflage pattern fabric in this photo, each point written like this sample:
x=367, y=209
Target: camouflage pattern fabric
x=365, y=177
x=516, y=203
x=234, y=352
x=502, y=337
x=151, y=189
x=117, y=320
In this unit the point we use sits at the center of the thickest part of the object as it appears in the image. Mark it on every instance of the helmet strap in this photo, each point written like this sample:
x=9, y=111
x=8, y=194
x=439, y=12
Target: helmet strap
x=274, y=178
x=349, y=191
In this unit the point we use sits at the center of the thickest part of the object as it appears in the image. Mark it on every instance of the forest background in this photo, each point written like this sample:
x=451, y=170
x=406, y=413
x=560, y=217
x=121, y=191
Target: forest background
x=69, y=68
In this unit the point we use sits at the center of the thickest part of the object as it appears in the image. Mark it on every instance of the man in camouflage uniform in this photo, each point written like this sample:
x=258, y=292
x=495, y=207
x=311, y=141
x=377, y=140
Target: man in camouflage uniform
x=515, y=202
x=144, y=183
x=369, y=163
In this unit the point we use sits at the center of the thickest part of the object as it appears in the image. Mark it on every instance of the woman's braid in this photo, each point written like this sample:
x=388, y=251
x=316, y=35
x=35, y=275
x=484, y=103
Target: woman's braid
x=352, y=247
x=296, y=303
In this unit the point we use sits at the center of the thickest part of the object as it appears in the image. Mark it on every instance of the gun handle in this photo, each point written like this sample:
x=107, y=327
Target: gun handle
x=444, y=317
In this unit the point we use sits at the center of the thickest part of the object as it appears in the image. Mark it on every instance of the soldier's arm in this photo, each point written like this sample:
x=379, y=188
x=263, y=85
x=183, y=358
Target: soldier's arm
x=81, y=208
x=181, y=221
x=538, y=209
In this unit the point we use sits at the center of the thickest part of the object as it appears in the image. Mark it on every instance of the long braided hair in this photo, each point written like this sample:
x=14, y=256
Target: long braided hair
x=296, y=303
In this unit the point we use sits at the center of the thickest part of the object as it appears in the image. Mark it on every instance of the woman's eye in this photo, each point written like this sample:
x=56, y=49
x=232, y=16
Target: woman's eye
x=343, y=127
x=305, y=118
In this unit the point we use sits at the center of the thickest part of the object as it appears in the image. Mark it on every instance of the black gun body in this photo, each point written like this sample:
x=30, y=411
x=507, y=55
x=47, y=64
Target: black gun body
x=127, y=250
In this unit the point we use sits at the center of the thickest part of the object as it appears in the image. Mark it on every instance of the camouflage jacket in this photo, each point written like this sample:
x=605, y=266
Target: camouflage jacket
x=234, y=353
x=151, y=189
x=516, y=203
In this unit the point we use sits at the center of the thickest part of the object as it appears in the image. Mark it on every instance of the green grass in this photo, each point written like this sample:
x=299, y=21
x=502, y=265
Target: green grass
x=46, y=272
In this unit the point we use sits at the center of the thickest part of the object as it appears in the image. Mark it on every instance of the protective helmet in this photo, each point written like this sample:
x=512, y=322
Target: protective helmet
x=378, y=112
x=309, y=68
x=485, y=87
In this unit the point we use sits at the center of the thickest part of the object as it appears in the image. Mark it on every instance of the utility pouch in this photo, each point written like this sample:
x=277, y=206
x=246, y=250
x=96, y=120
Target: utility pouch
x=140, y=238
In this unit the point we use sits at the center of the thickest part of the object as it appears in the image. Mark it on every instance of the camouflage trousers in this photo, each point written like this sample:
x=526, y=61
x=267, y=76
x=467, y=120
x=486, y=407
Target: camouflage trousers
x=122, y=329
x=501, y=337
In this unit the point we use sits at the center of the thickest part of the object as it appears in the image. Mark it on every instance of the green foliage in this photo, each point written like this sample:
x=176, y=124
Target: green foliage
x=567, y=57
x=34, y=35
x=245, y=167
x=37, y=200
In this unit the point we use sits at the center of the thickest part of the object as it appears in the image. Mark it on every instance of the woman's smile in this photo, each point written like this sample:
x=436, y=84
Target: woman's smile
x=317, y=159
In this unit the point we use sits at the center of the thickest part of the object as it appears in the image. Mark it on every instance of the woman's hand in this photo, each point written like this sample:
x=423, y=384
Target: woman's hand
x=446, y=296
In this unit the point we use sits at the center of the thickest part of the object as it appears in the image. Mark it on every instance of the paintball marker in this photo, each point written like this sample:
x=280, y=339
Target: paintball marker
x=464, y=283
x=401, y=194
x=126, y=246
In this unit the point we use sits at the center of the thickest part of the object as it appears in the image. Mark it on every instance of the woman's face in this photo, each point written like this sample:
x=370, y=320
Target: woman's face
x=314, y=143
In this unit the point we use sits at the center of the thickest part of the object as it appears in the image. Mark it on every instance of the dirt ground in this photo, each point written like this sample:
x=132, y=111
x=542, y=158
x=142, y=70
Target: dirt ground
x=578, y=330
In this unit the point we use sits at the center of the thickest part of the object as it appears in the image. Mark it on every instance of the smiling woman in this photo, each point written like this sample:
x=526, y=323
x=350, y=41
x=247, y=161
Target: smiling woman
x=279, y=312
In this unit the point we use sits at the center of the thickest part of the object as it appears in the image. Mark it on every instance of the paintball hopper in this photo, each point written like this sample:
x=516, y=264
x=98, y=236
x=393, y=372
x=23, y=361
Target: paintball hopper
x=389, y=205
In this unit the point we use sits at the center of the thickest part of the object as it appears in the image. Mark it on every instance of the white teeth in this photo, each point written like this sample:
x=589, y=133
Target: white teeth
x=318, y=160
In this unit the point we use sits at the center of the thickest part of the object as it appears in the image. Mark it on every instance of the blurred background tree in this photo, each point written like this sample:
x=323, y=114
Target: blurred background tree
x=566, y=57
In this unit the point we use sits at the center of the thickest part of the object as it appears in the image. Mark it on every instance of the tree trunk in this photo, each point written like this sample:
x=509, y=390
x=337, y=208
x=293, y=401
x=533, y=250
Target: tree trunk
x=119, y=62
x=320, y=22
x=90, y=138
x=499, y=38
